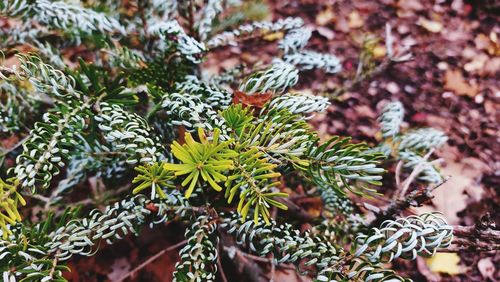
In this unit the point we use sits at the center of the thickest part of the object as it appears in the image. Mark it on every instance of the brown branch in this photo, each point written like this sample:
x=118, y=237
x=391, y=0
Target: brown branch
x=482, y=236
x=415, y=198
x=477, y=233
x=416, y=171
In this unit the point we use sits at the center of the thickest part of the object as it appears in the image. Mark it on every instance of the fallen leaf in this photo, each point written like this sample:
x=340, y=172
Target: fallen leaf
x=483, y=42
x=477, y=63
x=119, y=268
x=445, y=263
x=392, y=87
x=410, y=5
x=453, y=196
x=492, y=67
x=325, y=17
x=432, y=26
x=325, y=32
x=257, y=100
x=379, y=51
x=455, y=82
x=286, y=275
x=486, y=268
x=355, y=20
x=9, y=142
x=273, y=36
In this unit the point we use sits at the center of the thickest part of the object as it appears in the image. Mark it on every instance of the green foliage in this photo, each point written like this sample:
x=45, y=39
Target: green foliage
x=154, y=177
x=338, y=162
x=198, y=257
x=409, y=147
x=134, y=101
x=10, y=198
x=254, y=180
x=237, y=118
x=205, y=159
x=406, y=237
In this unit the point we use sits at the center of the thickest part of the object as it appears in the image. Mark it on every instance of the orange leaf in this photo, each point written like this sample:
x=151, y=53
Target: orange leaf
x=455, y=82
x=257, y=100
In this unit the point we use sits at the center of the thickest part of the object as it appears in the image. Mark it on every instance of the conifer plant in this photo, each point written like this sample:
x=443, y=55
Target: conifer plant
x=135, y=110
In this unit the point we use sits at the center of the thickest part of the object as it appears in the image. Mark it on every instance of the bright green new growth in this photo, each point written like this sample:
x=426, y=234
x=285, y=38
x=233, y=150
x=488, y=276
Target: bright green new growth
x=155, y=177
x=10, y=198
x=208, y=159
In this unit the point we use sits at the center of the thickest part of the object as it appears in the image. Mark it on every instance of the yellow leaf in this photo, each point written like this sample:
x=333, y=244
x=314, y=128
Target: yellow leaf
x=445, y=263
x=429, y=25
x=355, y=20
x=273, y=36
x=379, y=51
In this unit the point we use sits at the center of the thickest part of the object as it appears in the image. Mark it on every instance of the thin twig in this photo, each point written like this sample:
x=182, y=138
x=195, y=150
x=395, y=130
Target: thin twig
x=415, y=198
x=259, y=259
x=416, y=171
x=151, y=259
x=7, y=151
x=398, y=175
x=54, y=263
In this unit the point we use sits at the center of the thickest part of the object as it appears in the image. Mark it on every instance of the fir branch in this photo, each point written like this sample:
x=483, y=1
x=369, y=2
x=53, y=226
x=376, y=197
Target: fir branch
x=406, y=238
x=275, y=79
x=129, y=133
x=172, y=34
x=295, y=40
x=338, y=161
x=391, y=119
x=61, y=15
x=308, y=60
x=49, y=145
x=210, y=11
x=423, y=138
x=300, y=103
x=198, y=257
x=253, y=30
x=427, y=171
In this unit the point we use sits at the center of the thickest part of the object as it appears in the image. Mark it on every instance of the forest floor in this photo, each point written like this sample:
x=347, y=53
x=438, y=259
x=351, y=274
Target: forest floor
x=451, y=84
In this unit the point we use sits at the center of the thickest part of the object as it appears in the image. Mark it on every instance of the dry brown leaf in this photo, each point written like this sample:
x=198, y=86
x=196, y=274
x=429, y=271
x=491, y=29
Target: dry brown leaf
x=257, y=100
x=120, y=267
x=477, y=63
x=463, y=185
x=491, y=67
x=325, y=17
x=482, y=42
x=289, y=276
x=355, y=20
x=411, y=5
x=487, y=268
x=325, y=32
x=455, y=82
x=432, y=26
